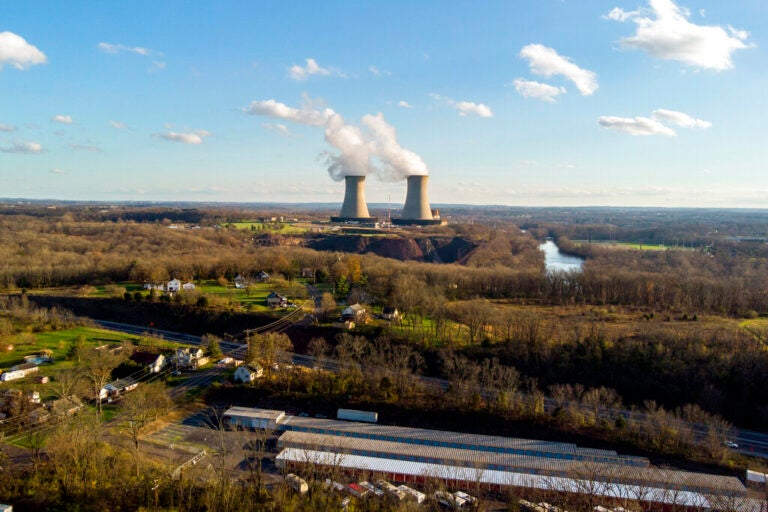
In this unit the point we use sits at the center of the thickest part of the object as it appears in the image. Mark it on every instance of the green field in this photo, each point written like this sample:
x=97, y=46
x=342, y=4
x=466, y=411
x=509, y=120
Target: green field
x=628, y=245
x=272, y=227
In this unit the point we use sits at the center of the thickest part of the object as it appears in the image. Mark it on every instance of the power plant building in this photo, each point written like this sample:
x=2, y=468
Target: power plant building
x=416, y=211
x=354, y=208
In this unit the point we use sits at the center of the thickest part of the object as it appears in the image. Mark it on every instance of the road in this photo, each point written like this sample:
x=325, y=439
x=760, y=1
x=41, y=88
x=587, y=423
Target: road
x=750, y=442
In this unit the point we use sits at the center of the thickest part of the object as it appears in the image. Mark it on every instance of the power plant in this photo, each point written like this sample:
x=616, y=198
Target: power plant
x=416, y=211
x=354, y=208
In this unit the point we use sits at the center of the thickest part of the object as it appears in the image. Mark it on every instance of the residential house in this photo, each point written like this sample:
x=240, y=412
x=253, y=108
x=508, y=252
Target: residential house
x=152, y=362
x=390, y=313
x=229, y=361
x=118, y=387
x=354, y=313
x=241, y=281
x=174, y=285
x=275, y=300
x=262, y=277
x=248, y=373
x=188, y=287
x=186, y=357
x=67, y=406
x=19, y=371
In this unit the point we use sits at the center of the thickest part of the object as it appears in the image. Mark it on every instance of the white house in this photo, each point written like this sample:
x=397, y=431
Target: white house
x=355, y=313
x=173, y=285
x=240, y=281
x=114, y=389
x=248, y=373
x=153, y=363
x=188, y=287
x=188, y=358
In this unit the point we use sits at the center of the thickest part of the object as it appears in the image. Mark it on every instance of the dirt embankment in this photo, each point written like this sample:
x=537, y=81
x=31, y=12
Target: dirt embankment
x=429, y=249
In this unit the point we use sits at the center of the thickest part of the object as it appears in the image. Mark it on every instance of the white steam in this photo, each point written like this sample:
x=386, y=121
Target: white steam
x=369, y=149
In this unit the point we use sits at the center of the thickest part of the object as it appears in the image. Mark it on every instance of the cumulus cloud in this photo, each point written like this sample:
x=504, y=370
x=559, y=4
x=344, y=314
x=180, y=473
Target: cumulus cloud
x=465, y=108
x=7, y=128
x=538, y=90
x=117, y=124
x=371, y=148
x=547, y=62
x=17, y=52
x=312, y=68
x=121, y=48
x=23, y=148
x=680, y=119
x=635, y=125
x=59, y=118
x=664, y=32
x=195, y=137
x=404, y=104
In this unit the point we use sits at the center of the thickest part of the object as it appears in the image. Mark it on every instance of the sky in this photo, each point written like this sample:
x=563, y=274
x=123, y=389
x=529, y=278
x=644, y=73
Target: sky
x=513, y=102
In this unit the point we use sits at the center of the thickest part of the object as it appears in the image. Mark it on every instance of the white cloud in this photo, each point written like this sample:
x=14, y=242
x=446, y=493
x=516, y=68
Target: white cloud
x=156, y=66
x=664, y=32
x=312, y=68
x=308, y=114
x=378, y=72
x=619, y=14
x=547, y=62
x=121, y=48
x=278, y=128
x=538, y=90
x=635, y=125
x=680, y=119
x=59, y=118
x=117, y=124
x=56, y=170
x=195, y=137
x=465, y=108
x=404, y=104
x=7, y=128
x=23, y=148
x=17, y=52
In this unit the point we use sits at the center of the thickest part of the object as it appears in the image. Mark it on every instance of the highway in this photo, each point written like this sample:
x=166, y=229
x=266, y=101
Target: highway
x=750, y=442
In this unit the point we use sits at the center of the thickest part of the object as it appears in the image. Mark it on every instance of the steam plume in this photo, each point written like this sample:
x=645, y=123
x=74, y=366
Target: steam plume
x=371, y=148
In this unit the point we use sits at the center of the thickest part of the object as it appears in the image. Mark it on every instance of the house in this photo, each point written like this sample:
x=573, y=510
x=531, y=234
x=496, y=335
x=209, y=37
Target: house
x=229, y=361
x=187, y=287
x=34, y=397
x=153, y=363
x=173, y=285
x=19, y=372
x=262, y=277
x=67, y=406
x=248, y=373
x=116, y=388
x=274, y=300
x=390, y=313
x=241, y=282
x=188, y=358
x=354, y=313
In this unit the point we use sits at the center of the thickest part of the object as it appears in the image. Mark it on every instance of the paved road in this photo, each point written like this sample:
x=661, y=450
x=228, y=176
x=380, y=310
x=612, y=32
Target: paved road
x=750, y=442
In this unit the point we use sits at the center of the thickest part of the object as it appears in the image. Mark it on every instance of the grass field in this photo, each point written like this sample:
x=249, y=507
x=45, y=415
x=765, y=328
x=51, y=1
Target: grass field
x=629, y=245
x=272, y=227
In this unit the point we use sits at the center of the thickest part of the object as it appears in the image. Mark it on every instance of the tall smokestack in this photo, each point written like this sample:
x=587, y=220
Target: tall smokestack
x=354, y=206
x=416, y=202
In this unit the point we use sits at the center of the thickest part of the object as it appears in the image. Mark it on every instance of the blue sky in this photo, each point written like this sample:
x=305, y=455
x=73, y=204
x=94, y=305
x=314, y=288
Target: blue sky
x=524, y=102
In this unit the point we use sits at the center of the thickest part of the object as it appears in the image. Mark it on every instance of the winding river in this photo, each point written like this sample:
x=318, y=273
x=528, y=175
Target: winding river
x=556, y=261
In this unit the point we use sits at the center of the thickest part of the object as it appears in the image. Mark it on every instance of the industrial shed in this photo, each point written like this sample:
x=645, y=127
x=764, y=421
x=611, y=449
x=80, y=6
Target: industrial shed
x=250, y=418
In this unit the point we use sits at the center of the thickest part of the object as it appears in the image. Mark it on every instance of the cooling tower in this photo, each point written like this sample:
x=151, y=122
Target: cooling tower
x=354, y=208
x=416, y=201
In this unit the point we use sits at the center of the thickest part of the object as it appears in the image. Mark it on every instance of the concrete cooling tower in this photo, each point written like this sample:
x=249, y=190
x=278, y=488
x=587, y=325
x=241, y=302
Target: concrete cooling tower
x=416, y=210
x=354, y=208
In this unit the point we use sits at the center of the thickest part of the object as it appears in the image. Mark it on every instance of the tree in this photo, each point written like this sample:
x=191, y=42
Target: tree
x=327, y=305
x=139, y=408
x=98, y=364
x=214, y=349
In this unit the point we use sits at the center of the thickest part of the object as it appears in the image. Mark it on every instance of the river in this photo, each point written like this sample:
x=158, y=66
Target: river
x=556, y=261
